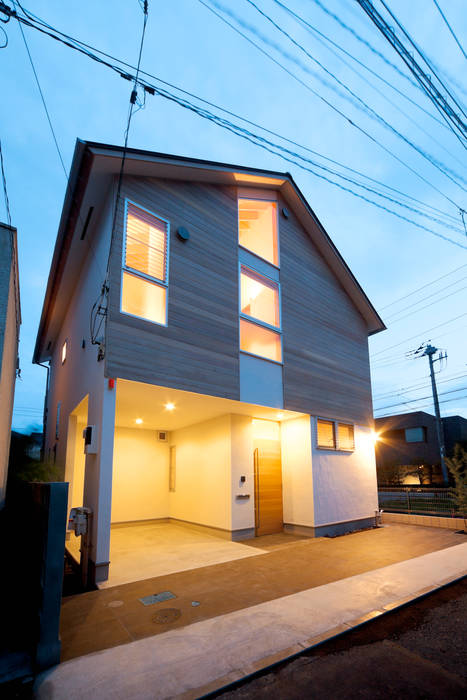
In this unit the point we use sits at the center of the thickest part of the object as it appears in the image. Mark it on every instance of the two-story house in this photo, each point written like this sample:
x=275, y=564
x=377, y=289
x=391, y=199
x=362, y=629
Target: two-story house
x=230, y=387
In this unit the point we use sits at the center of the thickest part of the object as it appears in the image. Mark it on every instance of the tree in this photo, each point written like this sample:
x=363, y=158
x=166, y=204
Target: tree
x=457, y=465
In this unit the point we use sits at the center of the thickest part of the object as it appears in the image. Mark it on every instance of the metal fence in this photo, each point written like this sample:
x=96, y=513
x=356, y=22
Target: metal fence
x=404, y=499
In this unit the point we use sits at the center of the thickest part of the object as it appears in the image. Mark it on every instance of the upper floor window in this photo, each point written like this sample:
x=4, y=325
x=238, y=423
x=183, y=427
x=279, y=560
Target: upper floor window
x=145, y=265
x=415, y=435
x=259, y=297
x=257, y=228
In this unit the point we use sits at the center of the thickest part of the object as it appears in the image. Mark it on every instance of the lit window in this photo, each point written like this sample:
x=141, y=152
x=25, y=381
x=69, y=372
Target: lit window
x=64, y=349
x=143, y=298
x=345, y=437
x=261, y=341
x=257, y=228
x=415, y=435
x=332, y=435
x=144, y=281
x=326, y=434
x=259, y=297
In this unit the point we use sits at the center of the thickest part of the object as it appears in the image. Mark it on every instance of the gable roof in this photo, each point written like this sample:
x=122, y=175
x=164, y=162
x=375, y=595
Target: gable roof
x=93, y=169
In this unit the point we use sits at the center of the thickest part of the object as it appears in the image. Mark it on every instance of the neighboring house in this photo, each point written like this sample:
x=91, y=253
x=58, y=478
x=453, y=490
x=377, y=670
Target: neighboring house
x=10, y=320
x=231, y=384
x=410, y=440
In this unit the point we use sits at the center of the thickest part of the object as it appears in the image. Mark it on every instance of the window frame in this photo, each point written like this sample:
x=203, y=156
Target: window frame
x=416, y=442
x=336, y=423
x=260, y=257
x=142, y=275
x=255, y=321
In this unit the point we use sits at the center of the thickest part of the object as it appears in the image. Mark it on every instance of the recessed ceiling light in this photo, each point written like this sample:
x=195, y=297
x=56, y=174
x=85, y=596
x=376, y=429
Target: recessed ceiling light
x=280, y=416
x=138, y=421
x=169, y=406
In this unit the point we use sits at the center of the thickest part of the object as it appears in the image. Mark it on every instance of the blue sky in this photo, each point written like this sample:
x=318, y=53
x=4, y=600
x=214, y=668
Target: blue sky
x=188, y=46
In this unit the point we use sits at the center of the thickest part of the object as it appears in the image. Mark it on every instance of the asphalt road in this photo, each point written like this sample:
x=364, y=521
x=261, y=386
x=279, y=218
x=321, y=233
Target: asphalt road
x=419, y=651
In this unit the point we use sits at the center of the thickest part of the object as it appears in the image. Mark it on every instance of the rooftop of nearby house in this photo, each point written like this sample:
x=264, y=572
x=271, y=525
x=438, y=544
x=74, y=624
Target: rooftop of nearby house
x=96, y=165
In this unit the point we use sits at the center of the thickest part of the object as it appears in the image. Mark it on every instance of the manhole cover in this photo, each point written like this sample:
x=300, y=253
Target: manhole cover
x=163, y=617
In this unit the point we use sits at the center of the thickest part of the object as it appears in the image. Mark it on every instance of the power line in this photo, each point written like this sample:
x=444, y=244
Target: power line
x=450, y=28
x=366, y=43
x=353, y=170
x=5, y=189
x=323, y=99
x=415, y=387
x=426, y=405
x=428, y=305
x=267, y=145
x=427, y=62
x=457, y=125
x=328, y=43
x=422, y=398
x=362, y=105
x=422, y=333
x=42, y=97
x=428, y=284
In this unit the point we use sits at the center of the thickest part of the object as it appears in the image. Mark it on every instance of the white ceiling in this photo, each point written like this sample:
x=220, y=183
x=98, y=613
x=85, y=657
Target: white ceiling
x=145, y=401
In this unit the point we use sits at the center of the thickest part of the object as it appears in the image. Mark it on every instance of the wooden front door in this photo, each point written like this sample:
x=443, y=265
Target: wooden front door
x=268, y=487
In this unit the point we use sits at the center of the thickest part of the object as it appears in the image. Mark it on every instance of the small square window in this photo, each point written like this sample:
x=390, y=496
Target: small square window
x=415, y=435
x=326, y=434
x=64, y=351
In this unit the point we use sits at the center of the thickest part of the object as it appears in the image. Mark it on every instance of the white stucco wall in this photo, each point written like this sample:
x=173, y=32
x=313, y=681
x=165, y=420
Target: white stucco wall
x=81, y=375
x=243, y=510
x=203, y=482
x=297, y=474
x=8, y=356
x=344, y=483
x=140, y=487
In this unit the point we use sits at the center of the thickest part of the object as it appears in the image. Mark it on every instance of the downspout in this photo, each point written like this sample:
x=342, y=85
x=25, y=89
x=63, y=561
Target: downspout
x=44, y=416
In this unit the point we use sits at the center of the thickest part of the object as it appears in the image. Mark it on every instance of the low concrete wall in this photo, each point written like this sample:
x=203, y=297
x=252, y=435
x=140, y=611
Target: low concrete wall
x=426, y=520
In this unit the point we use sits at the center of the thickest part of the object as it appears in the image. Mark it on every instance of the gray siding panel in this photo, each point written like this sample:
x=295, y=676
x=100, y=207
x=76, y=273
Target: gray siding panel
x=198, y=350
x=326, y=365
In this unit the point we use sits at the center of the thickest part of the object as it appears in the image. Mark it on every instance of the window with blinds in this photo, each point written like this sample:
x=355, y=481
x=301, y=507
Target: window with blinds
x=333, y=435
x=145, y=265
x=345, y=436
x=326, y=434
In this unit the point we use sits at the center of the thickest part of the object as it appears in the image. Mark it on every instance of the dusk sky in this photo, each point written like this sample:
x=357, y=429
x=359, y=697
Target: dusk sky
x=190, y=47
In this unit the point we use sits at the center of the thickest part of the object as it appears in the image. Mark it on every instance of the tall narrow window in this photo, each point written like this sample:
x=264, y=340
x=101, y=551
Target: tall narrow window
x=257, y=228
x=64, y=350
x=145, y=275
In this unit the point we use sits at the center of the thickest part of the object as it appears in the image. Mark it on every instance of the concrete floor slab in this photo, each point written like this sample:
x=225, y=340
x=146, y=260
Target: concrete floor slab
x=139, y=552
x=184, y=661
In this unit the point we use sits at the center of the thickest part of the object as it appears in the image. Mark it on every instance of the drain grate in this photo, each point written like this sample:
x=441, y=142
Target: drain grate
x=164, y=617
x=157, y=598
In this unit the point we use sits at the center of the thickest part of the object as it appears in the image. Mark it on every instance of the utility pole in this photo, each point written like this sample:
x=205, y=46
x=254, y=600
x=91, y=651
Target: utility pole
x=430, y=351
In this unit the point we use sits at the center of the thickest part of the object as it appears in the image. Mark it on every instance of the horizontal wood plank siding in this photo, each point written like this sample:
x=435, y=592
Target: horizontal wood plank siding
x=198, y=350
x=326, y=365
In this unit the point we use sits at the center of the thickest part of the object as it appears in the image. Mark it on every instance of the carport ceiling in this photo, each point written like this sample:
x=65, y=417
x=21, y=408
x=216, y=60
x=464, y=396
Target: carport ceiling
x=146, y=402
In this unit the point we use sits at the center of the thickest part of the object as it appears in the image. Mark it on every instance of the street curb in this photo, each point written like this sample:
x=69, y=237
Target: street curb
x=268, y=663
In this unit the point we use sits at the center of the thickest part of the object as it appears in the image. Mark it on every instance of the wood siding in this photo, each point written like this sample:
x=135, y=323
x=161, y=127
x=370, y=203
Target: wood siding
x=326, y=364
x=325, y=343
x=198, y=350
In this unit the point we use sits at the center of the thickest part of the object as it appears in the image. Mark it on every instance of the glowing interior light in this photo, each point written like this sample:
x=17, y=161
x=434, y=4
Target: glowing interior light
x=138, y=421
x=374, y=436
x=169, y=406
x=280, y=416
